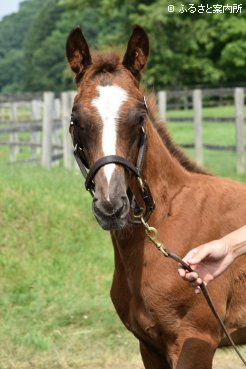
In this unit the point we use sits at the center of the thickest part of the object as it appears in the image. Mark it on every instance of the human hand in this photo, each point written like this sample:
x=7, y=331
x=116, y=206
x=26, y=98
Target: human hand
x=208, y=261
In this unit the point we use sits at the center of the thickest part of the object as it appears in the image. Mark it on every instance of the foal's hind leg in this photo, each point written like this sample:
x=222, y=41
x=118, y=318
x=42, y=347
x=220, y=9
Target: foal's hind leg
x=151, y=359
x=193, y=353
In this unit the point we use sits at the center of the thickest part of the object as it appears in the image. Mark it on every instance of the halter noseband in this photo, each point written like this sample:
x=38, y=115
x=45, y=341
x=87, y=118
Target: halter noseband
x=89, y=173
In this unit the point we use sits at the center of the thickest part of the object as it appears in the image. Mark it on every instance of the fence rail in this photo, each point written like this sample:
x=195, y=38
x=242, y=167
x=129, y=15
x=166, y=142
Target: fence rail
x=31, y=121
x=237, y=97
x=40, y=121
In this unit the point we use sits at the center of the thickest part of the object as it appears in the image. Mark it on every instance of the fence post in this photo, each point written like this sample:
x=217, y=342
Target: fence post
x=35, y=135
x=67, y=103
x=56, y=133
x=57, y=108
x=197, y=107
x=14, y=149
x=47, y=129
x=162, y=105
x=239, y=119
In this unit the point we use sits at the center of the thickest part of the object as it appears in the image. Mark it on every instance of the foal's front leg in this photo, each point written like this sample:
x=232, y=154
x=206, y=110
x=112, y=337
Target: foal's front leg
x=193, y=353
x=151, y=359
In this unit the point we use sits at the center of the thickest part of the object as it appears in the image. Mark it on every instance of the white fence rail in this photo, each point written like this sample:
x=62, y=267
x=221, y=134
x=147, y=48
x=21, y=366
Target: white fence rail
x=195, y=99
x=40, y=125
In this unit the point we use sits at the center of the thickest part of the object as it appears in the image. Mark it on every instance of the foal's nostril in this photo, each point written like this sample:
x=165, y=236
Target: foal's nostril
x=122, y=208
x=125, y=203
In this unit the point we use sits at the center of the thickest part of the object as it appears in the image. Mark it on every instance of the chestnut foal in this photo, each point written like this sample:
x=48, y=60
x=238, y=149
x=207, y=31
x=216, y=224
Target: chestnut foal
x=111, y=118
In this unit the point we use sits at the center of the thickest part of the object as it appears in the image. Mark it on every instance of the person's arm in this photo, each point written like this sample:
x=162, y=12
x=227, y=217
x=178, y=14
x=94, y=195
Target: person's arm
x=211, y=259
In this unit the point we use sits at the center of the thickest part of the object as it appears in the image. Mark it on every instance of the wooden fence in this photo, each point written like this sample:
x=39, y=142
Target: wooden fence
x=196, y=99
x=40, y=122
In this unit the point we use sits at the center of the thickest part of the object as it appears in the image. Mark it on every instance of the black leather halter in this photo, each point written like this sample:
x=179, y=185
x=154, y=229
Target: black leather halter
x=89, y=173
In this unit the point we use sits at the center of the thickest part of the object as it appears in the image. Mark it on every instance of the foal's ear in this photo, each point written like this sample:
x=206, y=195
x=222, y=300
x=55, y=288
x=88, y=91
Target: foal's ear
x=137, y=51
x=78, y=53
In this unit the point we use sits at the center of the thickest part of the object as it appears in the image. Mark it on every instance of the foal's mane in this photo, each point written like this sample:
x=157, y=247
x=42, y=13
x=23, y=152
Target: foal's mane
x=108, y=64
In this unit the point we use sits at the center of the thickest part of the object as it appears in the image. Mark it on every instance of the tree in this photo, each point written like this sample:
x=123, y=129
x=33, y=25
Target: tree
x=187, y=48
x=13, y=31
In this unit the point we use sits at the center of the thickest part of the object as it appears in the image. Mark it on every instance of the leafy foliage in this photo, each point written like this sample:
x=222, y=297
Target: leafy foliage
x=187, y=48
x=13, y=32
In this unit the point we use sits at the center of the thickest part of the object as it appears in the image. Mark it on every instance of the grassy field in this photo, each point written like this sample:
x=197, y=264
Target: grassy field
x=56, y=267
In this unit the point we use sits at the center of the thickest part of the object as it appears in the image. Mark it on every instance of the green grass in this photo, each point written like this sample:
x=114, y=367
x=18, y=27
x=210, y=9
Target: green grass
x=55, y=274
x=216, y=111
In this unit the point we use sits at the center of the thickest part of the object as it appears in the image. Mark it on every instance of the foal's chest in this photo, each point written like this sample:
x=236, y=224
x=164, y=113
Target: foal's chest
x=138, y=319
x=142, y=295
x=136, y=305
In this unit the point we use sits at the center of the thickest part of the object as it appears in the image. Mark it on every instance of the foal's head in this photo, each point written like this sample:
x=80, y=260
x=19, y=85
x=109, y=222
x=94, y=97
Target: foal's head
x=108, y=114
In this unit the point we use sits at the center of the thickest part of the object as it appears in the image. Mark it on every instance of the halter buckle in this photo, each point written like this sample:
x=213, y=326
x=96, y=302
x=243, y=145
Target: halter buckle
x=145, y=104
x=75, y=150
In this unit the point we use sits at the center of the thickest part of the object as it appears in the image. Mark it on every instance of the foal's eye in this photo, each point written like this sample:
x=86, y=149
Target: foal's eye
x=78, y=125
x=141, y=119
x=76, y=122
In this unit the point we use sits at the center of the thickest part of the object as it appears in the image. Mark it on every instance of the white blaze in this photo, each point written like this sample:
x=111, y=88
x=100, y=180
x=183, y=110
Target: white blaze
x=108, y=104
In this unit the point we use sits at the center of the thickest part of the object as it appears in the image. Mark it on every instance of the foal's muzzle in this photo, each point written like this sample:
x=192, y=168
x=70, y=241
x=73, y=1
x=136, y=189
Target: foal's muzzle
x=111, y=214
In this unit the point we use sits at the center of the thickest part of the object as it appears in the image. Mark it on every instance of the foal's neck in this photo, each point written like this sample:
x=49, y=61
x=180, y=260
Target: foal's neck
x=164, y=174
x=166, y=178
